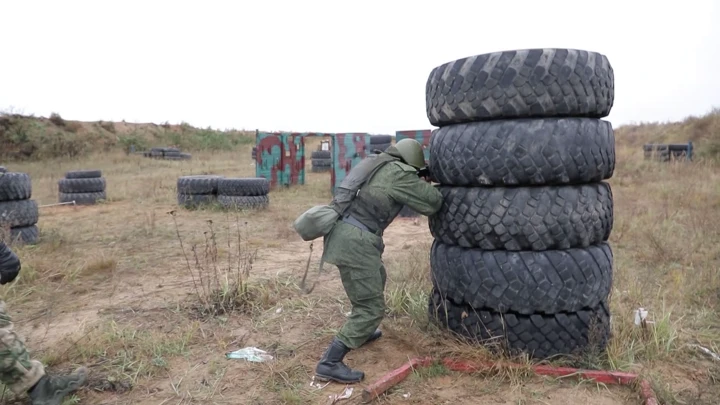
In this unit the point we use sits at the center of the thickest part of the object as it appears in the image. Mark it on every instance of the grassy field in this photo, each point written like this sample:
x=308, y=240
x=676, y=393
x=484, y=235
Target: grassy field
x=117, y=287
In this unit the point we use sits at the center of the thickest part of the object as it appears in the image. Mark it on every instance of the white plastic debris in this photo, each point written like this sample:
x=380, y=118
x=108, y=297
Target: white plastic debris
x=347, y=393
x=250, y=354
x=640, y=316
x=317, y=385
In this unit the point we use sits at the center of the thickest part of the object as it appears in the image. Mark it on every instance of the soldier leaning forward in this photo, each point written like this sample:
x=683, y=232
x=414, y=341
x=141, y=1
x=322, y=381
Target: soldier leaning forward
x=368, y=200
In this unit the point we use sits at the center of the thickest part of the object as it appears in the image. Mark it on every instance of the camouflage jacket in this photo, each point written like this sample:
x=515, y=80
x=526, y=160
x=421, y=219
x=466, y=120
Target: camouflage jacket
x=376, y=205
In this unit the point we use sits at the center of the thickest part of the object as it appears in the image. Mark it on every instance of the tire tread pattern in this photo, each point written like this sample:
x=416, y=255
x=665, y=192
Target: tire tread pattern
x=524, y=218
x=520, y=84
x=551, y=151
x=540, y=336
x=523, y=282
x=15, y=186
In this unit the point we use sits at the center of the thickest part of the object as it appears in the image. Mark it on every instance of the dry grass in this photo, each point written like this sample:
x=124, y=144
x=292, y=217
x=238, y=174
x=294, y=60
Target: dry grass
x=110, y=286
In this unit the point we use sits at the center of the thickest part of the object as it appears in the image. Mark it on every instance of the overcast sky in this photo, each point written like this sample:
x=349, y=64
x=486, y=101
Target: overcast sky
x=328, y=66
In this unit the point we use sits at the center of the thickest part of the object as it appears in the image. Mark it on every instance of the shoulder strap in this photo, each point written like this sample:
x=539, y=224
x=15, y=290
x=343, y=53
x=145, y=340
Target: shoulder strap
x=385, y=160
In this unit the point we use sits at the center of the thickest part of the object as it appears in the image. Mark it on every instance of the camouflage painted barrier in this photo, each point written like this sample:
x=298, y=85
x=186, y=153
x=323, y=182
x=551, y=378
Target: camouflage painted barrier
x=280, y=158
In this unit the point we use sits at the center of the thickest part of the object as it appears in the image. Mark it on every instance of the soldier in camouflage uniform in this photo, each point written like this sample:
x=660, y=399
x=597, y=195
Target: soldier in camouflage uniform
x=17, y=371
x=355, y=245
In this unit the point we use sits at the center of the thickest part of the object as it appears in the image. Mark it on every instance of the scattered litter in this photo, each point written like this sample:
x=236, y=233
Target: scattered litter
x=347, y=393
x=641, y=317
x=250, y=354
x=348, y=313
x=707, y=351
x=406, y=396
x=277, y=311
x=317, y=384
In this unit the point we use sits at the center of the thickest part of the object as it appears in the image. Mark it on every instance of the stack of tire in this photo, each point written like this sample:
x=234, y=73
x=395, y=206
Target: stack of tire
x=18, y=212
x=196, y=191
x=167, y=154
x=379, y=142
x=243, y=192
x=254, y=153
x=520, y=255
x=85, y=187
x=321, y=161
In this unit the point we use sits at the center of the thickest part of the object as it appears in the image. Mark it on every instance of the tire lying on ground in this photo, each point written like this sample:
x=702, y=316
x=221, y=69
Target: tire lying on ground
x=520, y=84
x=82, y=198
x=15, y=186
x=243, y=192
x=550, y=151
x=524, y=218
x=83, y=174
x=540, y=336
x=320, y=154
x=197, y=190
x=3, y=169
x=523, y=282
x=84, y=187
x=18, y=213
x=243, y=186
x=241, y=201
x=81, y=185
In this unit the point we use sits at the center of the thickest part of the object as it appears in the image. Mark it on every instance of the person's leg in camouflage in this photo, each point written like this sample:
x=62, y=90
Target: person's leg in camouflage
x=22, y=374
x=365, y=288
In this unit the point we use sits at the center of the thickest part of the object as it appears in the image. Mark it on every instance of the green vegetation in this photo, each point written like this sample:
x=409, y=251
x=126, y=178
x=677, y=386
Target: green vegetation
x=35, y=138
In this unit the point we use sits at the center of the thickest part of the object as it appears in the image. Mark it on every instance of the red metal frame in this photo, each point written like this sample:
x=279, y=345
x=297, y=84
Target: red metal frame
x=394, y=377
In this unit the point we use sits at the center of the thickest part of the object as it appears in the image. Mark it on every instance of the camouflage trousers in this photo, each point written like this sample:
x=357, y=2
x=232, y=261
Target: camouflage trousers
x=365, y=288
x=17, y=371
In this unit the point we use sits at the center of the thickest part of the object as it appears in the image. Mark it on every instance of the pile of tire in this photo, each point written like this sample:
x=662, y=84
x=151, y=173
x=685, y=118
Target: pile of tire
x=243, y=192
x=85, y=187
x=227, y=192
x=196, y=191
x=254, y=153
x=379, y=143
x=19, y=213
x=321, y=161
x=520, y=254
x=167, y=154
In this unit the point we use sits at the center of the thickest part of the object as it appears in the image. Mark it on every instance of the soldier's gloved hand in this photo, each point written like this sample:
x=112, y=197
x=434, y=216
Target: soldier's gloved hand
x=9, y=264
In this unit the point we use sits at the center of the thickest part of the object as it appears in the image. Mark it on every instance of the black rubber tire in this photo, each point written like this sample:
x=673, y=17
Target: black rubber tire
x=24, y=235
x=83, y=174
x=380, y=139
x=82, y=198
x=185, y=156
x=3, y=169
x=320, y=154
x=175, y=154
x=524, y=218
x=407, y=212
x=195, y=200
x=243, y=186
x=199, y=184
x=540, y=336
x=550, y=151
x=88, y=185
x=15, y=186
x=322, y=162
x=529, y=83
x=19, y=213
x=243, y=202
x=525, y=282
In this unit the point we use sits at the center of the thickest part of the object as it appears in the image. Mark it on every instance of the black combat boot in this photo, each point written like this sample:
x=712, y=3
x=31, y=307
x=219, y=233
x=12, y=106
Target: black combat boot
x=331, y=366
x=52, y=390
x=375, y=336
